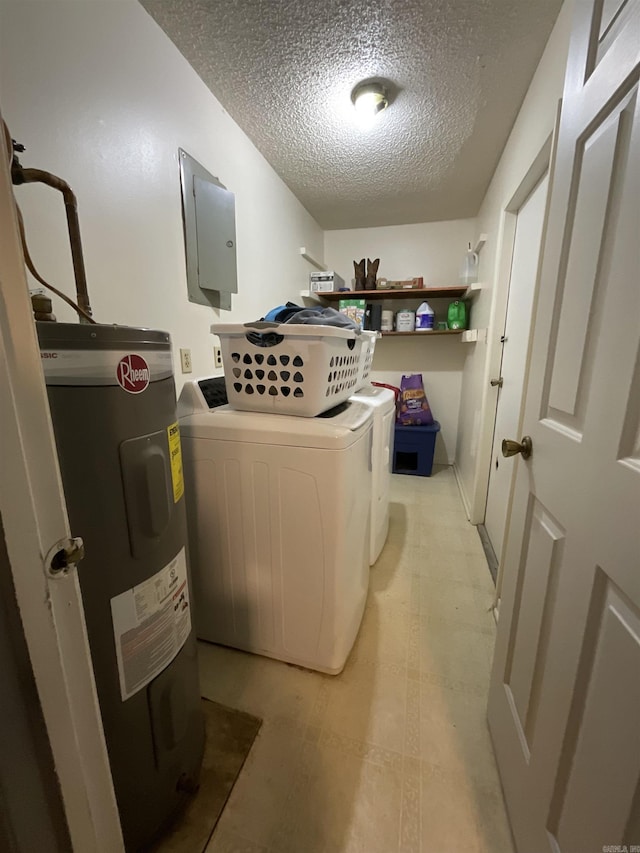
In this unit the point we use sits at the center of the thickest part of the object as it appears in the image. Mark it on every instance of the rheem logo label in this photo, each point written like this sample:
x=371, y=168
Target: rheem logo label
x=133, y=373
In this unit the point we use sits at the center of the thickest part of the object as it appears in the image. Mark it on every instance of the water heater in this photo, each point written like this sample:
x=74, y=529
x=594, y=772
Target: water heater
x=112, y=398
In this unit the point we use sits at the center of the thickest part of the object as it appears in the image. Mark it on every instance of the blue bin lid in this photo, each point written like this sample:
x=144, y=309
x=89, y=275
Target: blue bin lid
x=434, y=427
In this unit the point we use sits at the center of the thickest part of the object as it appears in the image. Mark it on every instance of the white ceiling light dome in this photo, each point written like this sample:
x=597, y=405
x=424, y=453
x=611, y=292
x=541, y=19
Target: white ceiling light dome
x=370, y=98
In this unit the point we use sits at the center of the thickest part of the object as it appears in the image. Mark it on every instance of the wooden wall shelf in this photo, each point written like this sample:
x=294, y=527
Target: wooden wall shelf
x=424, y=334
x=419, y=294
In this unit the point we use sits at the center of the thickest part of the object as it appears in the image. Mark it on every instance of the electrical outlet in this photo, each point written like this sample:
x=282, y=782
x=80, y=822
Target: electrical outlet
x=185, y=360
x=217, y=356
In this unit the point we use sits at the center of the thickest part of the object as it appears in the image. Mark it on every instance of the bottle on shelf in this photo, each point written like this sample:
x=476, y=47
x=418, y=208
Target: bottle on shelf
x=469, y=271
x=425, y=318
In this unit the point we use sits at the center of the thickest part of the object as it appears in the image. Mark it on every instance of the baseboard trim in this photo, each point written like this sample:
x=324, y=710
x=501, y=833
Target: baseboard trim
x=463, y=494
x=489, y=553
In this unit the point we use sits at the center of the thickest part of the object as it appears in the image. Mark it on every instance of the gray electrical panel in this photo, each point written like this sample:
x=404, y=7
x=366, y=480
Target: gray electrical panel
x=209, y=217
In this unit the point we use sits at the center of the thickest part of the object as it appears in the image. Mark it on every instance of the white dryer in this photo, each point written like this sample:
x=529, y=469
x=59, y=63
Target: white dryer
x=383, y=403
x=278, y=515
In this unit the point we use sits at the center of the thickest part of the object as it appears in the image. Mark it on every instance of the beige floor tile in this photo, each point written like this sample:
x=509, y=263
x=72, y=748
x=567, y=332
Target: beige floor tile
x=463, y=604
x=461, y=816
x=393, y=584
x=447, y=525
x=449, y=813
x=223, y=673
x=410, y=840
x=229, y=842
x=458, y=539
x=447, y=600
x=442, y=481
x=269, y=689
x=398, y=519
x=455, y=654
x=454, y=733
x=431, y=504
x=370, y=706
x=383, y=636
x=257, y=804
x=494, y=832
x=475, y=568
x=340, y=803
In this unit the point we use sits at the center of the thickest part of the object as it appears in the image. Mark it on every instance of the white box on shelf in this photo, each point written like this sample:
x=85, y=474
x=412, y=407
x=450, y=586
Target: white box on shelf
x=326, y=281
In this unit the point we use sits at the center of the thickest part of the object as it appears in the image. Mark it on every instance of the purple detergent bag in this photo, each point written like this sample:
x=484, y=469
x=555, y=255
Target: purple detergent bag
x=414, y=407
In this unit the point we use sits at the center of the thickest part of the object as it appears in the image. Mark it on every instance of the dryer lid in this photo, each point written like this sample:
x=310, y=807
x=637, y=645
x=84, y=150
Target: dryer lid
x=333, y=432
x=380, y=398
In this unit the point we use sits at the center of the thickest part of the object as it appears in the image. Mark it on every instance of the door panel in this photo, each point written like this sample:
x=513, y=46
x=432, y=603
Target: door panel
x=603, y=742
x=629, y=450
x=573, y=341
x=528, y=643
x=564, y=702
x=614, y=13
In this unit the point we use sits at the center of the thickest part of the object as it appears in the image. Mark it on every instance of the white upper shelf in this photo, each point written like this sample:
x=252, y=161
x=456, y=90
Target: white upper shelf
x=311, y=259
x=482, y=239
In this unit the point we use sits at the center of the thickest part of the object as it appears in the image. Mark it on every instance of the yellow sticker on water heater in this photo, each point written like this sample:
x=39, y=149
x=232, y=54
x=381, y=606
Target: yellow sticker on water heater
x=175, y=455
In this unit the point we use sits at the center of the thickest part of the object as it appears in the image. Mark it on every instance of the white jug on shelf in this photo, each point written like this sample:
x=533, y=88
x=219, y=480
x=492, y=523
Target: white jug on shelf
x=469, y=270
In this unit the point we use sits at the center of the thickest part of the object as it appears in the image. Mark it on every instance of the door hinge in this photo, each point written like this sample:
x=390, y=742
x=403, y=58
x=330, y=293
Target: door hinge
x=64, y=557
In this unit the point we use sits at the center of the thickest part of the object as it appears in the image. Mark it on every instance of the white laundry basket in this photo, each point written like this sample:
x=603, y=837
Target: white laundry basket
x=292, y=369
x=366, y=360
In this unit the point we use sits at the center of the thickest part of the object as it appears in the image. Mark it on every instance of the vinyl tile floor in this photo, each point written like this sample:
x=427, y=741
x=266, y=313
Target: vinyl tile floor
x=393, y=755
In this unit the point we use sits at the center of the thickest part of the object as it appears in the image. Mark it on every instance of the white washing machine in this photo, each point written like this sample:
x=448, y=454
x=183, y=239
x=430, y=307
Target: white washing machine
x=383, y=403
x=278, y=514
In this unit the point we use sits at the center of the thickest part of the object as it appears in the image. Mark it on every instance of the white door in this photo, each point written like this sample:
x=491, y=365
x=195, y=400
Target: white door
x=564, y=701
x=524, y=269
x=34, y=517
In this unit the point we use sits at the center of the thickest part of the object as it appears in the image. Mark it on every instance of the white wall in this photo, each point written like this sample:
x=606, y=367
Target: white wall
x=531, y=130
x=101, y=97
x=433, y=250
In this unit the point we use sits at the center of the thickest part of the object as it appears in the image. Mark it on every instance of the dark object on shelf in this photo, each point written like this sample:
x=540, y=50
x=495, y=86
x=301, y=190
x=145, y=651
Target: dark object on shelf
x=359, y=274
x=413, y=449
x=372, y=273
x=373, y=317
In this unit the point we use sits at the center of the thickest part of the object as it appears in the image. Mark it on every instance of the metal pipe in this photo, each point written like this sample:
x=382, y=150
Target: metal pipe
x=19, y=175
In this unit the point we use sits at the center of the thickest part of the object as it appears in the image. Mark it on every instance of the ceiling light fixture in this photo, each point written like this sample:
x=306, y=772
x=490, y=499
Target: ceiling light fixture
x=369, y=99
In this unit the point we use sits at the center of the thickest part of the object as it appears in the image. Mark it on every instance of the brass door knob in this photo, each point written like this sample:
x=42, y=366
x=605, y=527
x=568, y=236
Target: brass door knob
x=511, y=448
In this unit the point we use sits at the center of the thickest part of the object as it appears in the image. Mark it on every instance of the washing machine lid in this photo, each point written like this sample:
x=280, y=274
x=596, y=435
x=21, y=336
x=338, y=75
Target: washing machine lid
x=332, y=431
x=379, y=398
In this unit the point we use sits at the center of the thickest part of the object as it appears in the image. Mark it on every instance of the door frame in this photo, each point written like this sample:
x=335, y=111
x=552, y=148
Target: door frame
x=541, y=165
x=475, y=503
x=34, y=517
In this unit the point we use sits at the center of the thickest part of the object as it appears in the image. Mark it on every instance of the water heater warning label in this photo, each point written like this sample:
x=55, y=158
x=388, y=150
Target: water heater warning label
x=151, y=623
x=175, y=455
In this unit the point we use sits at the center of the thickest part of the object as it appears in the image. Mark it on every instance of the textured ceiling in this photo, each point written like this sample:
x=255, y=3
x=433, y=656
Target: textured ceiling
x=285, y=69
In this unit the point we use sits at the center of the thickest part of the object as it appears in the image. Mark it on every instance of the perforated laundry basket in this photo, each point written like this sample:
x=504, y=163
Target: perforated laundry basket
x=291, y=369
x=366, y=360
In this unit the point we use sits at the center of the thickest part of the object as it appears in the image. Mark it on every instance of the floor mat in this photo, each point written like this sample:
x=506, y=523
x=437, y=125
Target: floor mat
x=229, y=737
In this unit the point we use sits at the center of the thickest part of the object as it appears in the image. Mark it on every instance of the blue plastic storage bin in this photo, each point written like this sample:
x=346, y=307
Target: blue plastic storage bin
x=413, y=449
